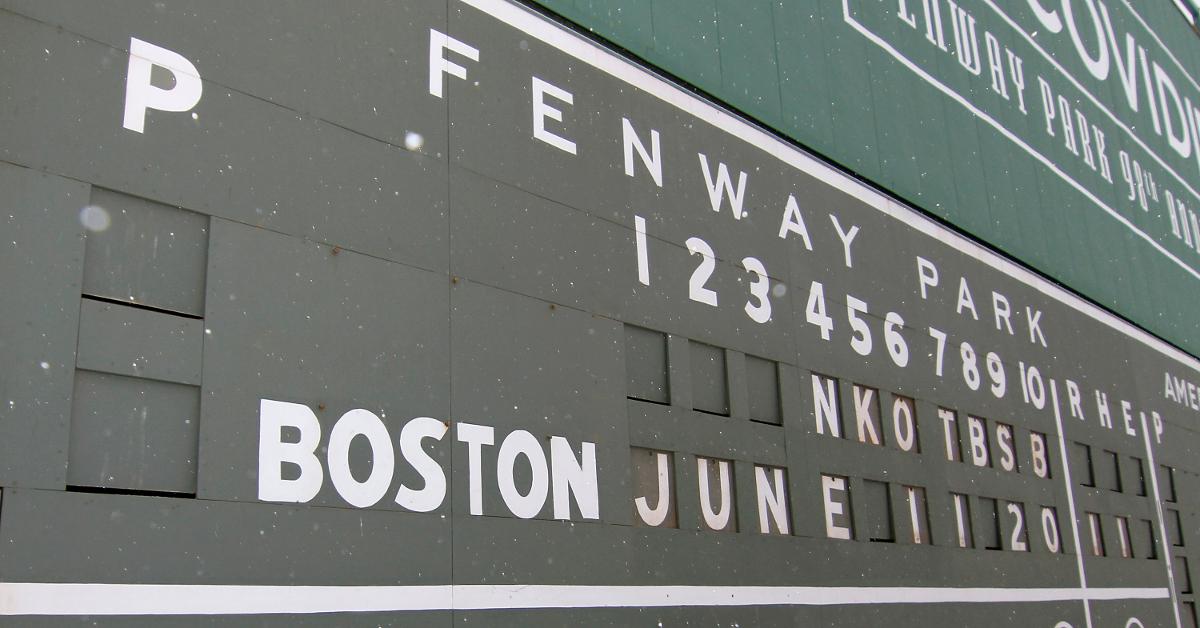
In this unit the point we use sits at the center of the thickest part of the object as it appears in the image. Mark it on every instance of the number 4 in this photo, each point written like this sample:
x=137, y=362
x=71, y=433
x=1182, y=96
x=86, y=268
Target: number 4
x=815, y=310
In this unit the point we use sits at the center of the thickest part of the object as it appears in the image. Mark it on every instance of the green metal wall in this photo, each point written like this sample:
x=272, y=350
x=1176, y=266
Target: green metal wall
x=799, y=68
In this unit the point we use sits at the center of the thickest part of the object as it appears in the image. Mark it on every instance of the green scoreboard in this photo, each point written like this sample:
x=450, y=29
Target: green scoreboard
x=444, y=312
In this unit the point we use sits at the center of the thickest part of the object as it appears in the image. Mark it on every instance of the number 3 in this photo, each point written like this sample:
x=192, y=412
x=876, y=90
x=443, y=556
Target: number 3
x=759, y=290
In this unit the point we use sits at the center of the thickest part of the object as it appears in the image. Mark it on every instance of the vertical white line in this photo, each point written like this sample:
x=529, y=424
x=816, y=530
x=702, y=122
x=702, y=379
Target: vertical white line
x=1093, y=520
x=1162, y=526
x=960, y=517
x=1066, y=467
x=1191, y=115
x=1123, y=532
x=1171, y=211
x=1195, y=229
x=1183, y=218
x=913, y=516
x=639, y=225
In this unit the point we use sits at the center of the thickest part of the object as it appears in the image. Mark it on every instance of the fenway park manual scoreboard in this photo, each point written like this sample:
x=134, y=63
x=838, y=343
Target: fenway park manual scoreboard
x=445, y=312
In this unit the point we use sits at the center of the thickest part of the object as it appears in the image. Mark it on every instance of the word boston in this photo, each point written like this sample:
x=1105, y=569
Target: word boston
x=290, y=435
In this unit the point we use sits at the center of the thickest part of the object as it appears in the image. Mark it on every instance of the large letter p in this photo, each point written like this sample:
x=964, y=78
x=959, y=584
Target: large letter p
x=140, y=95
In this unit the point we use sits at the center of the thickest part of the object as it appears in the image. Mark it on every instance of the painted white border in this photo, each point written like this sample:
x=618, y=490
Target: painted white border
x=1069, y=486
x=610, y=63
x=1164, y=547
x=71, y=599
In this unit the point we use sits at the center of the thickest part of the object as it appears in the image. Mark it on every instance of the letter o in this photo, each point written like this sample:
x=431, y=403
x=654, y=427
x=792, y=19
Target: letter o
x=353, y=424
x=1098, y=67
x=1049, y=19
x=902, y=422
x=522, y=443
x=1050, y=530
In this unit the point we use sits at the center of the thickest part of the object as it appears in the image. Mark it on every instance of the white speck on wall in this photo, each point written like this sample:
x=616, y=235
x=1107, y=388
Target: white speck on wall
x=94, y=218
x=413, y=141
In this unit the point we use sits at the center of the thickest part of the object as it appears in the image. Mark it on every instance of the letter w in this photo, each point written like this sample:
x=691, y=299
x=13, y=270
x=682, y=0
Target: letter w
x=966, y=39
x=722, y=186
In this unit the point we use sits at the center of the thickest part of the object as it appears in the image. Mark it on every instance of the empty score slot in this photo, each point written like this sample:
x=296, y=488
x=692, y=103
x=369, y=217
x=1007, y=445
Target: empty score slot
x=139, y=251
x=646, y=365
x=710, y=387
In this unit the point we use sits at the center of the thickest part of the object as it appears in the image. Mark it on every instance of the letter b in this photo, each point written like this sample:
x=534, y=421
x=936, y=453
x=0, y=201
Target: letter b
x=273, y=452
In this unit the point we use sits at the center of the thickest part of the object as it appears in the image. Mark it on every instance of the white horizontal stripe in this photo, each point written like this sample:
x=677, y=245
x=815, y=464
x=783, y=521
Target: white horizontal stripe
x=555, y=596
x=539, y=28
x=200, y=599
x=70, y=599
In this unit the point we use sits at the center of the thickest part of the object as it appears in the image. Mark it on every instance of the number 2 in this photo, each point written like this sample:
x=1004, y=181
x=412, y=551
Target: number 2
x=1017, y=544
x=708, y=263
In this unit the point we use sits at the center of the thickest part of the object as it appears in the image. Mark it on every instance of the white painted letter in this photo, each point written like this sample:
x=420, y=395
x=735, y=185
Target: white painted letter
x=522, y=443
x=864, y=402
x=1126, y=407
x=140, y=95
x=438, y=65
x=353, y=424
x=825, y=405
x=965, y=300
x=657, y=515
x=652, y=160
x=793, y=222
x=927, y=275
x=722, y=186
x=1181, y=143
x=1037, y=449
x=541, y=111
x=833, y=507
x=771, y=500
x=1004, y=440
x=476, y=436
x=903, y=423
x=720, y=519
x=1001, y=311
x=1098, y=67
x=1049, y=19
x=574, y=477
x=273, y=416
x=429, y=498
x=846, y=236
x=979, y=447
